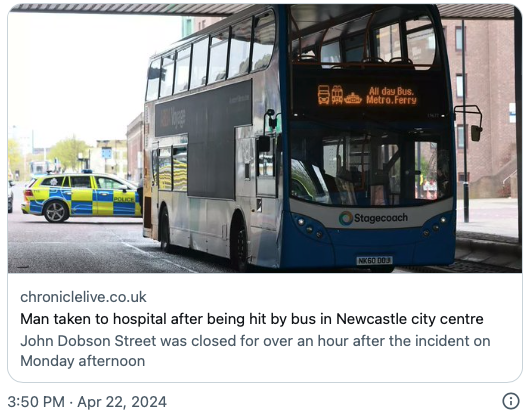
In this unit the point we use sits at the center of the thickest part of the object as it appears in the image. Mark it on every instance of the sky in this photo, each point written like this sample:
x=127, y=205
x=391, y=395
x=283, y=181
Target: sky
x=80, y=74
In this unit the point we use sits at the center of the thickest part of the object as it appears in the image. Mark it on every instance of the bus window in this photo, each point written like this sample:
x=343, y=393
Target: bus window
x=153, y=80
x=240, y=47
x=388, y=45
x=182, y=70
x=167, y=75
x=267, y=162
x=264, y=41
x=331, y=53
x=354, y=48
x=155, y=167
x=199, y=63
x=421, y=42
x=179, y=169
x=164, y=169
x=218, y=57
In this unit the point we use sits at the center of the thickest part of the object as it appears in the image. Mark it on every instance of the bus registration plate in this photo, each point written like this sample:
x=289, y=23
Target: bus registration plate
x=373, y=260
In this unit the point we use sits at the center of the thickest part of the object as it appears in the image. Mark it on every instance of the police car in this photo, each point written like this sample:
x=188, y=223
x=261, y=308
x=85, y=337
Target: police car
x=60, y=196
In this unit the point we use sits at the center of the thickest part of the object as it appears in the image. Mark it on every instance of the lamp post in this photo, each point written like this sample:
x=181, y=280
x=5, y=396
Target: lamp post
x=466, y=179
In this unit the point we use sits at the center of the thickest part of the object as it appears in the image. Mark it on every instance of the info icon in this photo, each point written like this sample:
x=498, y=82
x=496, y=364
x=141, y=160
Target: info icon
x=511, y=401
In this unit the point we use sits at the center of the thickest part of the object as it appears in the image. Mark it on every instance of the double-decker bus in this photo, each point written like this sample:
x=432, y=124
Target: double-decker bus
x=301, y=136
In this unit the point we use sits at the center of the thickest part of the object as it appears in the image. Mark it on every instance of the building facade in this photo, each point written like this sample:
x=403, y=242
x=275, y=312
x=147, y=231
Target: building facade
x=490, y=84
x=135, y=148
x=109, y=156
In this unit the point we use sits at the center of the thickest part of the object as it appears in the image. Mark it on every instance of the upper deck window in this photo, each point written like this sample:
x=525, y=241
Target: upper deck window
x=240, y=48
x=264, y=41
x=331, y=53
x=218, y=56
x=199, y=63
x=153, y=80
x=388, y=44
x=359, y=36
x=182, y=70
x=421, y=42
x=167, y=75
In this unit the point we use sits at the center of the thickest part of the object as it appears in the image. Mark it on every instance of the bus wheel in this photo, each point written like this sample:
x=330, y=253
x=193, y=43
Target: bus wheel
x=56, y=211
x=239, y=249
x=382, y=269
x=164, y=231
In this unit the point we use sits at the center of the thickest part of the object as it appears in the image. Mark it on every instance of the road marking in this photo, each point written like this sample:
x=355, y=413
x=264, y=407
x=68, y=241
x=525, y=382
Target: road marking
x=165, y=260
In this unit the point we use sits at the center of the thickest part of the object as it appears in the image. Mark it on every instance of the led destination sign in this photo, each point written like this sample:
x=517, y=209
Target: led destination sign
x=374, y=95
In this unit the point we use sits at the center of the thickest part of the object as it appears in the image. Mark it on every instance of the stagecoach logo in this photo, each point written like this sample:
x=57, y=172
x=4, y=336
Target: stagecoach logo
x=346, y=218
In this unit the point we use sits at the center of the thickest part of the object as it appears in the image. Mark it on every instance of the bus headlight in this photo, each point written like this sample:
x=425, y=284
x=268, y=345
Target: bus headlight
x=300, y=221
x=443, y=220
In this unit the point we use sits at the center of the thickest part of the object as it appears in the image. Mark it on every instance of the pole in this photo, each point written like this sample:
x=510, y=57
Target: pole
x=464, y=123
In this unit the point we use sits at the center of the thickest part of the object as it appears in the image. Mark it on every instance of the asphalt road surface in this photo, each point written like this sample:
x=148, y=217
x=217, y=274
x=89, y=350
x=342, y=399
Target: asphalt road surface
x=93, y=245
x=97, y=245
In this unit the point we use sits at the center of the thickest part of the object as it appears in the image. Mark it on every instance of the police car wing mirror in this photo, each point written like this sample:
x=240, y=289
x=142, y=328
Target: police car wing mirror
x=123, y=188
x=475, y=133
x=263, y=144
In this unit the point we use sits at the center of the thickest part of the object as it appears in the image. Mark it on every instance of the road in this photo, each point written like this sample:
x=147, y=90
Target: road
x=93, y=245
x=99, y=245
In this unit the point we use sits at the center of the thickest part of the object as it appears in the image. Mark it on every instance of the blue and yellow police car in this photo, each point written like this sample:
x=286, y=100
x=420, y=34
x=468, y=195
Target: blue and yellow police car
x=60, y=196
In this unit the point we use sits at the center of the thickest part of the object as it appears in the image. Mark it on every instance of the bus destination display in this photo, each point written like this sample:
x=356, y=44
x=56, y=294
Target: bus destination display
x=339, y=95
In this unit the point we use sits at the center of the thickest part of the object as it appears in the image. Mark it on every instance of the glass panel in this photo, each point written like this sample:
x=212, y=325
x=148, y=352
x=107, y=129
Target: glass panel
x=199, y=63
x=107, y=183
x=179, y=168
x=341, y=168
x=80, y=182
x=267, y=161
x=167, y=75
x=330, y=53
x=155, y=172
x=52, y=181
x=263, y=42
x=164, y=163
x=240, y=47
x=182, y=70
x=354, y=49
x=153, y=80
x=421, y=47
x=427, y=186
x=388, y=44
x=458, y=38
x=218, y=57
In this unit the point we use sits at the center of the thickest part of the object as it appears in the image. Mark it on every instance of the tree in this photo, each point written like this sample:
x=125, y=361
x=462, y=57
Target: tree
x=14, y=155
x=67, y=151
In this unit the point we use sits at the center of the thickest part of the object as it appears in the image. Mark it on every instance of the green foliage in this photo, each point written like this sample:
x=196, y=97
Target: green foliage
x=67, y=151
x=14, y=155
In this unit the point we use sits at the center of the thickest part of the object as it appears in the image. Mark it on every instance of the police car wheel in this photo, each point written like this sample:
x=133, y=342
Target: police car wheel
x=56, y=211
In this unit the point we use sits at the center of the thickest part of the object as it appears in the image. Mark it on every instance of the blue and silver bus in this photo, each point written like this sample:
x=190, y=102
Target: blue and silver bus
x=305, y=136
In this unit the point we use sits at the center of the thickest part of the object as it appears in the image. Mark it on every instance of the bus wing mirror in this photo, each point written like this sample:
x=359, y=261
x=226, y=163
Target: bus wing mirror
x=263, y=144
x=475, y=133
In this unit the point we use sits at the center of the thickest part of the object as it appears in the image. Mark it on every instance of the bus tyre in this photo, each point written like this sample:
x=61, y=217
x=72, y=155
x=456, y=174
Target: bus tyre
x=56, y=211
x=382, y=269
x=164, y=231
x=239, y=249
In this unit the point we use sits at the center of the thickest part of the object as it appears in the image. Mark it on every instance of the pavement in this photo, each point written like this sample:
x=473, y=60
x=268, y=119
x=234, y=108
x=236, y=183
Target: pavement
x=491, y=236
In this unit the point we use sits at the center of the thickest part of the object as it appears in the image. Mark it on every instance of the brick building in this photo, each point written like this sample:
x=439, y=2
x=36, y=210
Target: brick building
x=135, y=148
x=490, y=84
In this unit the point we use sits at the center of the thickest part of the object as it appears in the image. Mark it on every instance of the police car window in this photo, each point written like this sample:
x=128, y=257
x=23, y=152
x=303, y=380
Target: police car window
x=107, y=183
x=80, y=182
x=52, y=181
